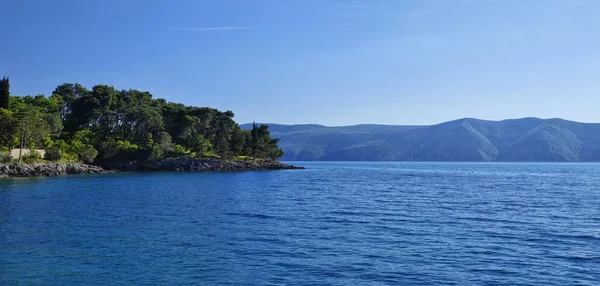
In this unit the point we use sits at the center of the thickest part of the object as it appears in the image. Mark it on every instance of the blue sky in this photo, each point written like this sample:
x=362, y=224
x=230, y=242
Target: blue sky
x=326, y=62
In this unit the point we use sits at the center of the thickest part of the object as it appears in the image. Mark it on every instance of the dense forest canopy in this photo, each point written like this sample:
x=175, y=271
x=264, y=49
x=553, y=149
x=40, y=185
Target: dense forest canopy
x=108, y=125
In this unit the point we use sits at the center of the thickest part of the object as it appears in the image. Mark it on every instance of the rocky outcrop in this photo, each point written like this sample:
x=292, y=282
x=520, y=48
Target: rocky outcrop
x=48, y=169
x=180, y=164
x=188, y=164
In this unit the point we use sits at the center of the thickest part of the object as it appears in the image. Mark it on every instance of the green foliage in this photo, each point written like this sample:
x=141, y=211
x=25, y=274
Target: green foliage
x=8, y=128
x=47, y=142
x=150, y=153
x=204, y=145
x=67, y=157
x=179, y=151
x=165, y=142
x=109, y=125
x=53, y=154
x=5, y=157
x=87, y=153
x=122, y=150
x=126, y=145
x=261, y=143
x=62, y=146
x=55, y=123
x=31, y=157
x=84, y=136
x=151, y=150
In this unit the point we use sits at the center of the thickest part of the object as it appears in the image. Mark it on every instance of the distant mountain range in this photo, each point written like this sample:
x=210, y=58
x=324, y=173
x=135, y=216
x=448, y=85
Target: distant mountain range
x=522, y=140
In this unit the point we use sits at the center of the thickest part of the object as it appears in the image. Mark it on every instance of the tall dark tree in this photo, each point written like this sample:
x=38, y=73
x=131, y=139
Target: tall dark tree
x=65, y=94
x=4, y=93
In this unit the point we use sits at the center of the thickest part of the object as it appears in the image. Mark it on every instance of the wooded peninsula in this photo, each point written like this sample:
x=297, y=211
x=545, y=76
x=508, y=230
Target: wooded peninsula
x=107, y=127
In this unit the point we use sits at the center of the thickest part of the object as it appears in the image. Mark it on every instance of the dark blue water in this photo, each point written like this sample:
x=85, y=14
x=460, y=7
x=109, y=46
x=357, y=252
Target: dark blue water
x=332, y=224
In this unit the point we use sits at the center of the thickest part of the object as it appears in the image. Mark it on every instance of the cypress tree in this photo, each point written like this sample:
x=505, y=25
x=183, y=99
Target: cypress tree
x=4, y=93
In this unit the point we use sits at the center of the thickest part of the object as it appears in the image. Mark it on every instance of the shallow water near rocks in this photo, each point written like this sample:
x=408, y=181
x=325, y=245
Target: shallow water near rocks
x=332, y=224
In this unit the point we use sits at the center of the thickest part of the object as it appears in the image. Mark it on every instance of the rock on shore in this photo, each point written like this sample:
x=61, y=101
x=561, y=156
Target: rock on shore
x=180, y=164
x=188, y=164
x=48, y=169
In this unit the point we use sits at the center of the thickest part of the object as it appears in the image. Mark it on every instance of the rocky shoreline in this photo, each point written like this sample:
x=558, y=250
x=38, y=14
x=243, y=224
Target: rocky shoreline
x=196, y=165
x=48, y=169
x=181, y=164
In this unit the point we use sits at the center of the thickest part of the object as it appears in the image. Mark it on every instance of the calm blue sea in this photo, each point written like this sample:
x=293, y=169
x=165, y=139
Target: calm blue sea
x=332, y=224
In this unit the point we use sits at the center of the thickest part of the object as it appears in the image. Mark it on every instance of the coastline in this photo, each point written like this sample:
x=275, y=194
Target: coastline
x=49, y=169
x=199, y=165
x=180, y=164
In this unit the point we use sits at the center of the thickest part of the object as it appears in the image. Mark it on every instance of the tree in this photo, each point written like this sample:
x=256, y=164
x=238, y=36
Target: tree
x=141, y=122
x=261, y=143
x=87, y=153
x=238, y=141
x=65, y=94
x=4, y=93
x=222, y=147
x=32, y=128
x=45, y=105
x=106, y=125
x=192, y=134
x=164, y=141
x=54, y=122
x=8, y=128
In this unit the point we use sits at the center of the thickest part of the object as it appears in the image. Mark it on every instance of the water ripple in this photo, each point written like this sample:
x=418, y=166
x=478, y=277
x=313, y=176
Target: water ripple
x=332, y=224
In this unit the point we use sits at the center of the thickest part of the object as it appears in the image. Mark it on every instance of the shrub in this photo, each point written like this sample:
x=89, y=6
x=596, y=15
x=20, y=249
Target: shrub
x=150, y=153
x=179, y=151
x=4, y=157
x=69, y=157
x=47, y=142
x=87, y=153
x=31, y=157
x=62, y=146
x=53, y=154
x=118, y=151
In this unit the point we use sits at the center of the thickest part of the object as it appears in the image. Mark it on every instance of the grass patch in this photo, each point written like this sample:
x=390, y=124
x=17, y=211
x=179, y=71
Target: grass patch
x=248, y=159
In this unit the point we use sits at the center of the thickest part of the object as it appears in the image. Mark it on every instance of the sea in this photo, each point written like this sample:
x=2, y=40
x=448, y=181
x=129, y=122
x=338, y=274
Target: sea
x=335, y=223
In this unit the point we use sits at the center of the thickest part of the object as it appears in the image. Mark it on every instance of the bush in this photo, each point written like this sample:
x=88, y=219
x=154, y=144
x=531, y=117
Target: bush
x=150, y=153
x=31, y=157
x=4, y=157
x=118, y=151
x=179, y=151
x=69, y=157
x=47, y=142
x=53, y=154
x=210, y=155
x=87, y=153
x=62, y=146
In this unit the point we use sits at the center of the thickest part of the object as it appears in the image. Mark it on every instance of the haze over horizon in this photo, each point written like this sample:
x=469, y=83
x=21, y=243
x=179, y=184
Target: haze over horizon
x=333, y=63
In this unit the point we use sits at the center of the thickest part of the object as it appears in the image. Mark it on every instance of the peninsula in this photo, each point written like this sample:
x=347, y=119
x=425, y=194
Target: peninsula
x=81, y=131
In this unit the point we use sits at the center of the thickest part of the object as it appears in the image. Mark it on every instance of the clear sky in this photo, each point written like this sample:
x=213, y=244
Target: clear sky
x=318, y=61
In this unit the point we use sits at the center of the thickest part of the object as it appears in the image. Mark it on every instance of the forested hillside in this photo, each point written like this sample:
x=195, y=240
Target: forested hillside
x=106, y=125
x=468, y=139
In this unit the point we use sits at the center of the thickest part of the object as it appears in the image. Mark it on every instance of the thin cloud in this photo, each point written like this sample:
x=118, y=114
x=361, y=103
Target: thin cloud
x=224, y=28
